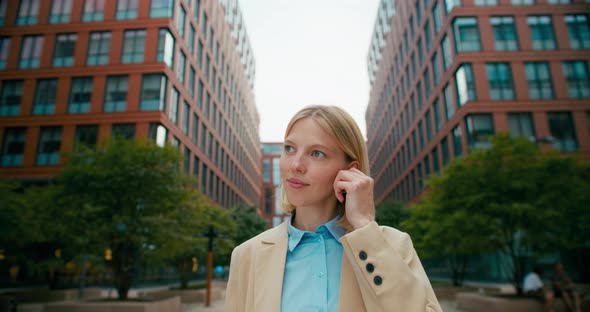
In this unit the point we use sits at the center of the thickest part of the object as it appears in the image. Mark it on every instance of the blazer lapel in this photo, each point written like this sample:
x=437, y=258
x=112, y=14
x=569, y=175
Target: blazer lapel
x=269, y=269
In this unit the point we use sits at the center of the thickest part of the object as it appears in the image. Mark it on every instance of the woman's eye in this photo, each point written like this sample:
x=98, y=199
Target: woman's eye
x=288, y=148
x=318, y=154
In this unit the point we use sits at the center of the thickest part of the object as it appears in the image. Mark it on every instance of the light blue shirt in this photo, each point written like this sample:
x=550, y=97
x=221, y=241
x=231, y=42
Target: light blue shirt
x=312, y=269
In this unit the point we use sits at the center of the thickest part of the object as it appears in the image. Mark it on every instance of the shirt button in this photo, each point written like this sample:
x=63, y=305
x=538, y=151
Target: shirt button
x=363, y=255
x=321, y=274
x=370, y=267
x=378, y=280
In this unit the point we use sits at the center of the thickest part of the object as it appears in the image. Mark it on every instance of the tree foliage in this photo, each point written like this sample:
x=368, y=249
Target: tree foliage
x=511, y=198
x=124, y=195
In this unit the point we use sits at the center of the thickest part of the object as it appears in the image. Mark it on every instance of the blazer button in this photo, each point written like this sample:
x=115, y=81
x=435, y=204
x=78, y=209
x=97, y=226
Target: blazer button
x=370, y=267
x=363, y=255
x=378, y=280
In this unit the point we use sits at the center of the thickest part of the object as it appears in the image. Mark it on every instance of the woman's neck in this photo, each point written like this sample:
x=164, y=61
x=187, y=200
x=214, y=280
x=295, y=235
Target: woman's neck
x=310, y=218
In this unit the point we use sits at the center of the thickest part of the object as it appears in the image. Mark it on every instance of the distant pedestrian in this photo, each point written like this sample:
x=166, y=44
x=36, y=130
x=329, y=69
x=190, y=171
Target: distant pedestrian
x=563, y=287
x=534, y=287
x=330, y=255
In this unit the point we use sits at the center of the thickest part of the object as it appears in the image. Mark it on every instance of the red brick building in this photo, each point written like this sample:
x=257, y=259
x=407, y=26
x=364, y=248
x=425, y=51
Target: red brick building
x=447, y=74
x=177, y=71
x=271, y=181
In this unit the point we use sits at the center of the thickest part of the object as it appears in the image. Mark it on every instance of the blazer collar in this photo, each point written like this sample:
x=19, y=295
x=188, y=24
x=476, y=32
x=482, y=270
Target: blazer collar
x=269, y=268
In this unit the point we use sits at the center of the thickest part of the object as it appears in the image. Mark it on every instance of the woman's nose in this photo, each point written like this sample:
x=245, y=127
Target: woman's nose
x=297, y=164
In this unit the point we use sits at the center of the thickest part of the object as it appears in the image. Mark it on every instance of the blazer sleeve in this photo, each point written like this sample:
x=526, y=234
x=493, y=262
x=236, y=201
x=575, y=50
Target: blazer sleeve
x=234, y=297
x=388, y=270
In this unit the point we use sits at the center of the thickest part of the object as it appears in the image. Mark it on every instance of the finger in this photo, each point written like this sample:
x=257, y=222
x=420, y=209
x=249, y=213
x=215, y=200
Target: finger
x=340, y=189
x=349, y=175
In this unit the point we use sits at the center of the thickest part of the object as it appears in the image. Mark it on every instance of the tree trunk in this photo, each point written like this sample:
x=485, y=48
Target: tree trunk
x=123, y=268
x=184, y=272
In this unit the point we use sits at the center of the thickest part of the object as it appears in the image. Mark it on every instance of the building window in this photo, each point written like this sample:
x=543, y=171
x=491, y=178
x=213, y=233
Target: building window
x=204, y=26
x=578, y=79
x=444, y=145
x=446, y=52
x=542, y=35
x=195, y=134
x=480, y=128
x=80, y=94
x=13, y=147
x=98, y=48
x=30, y=53
x=486, y=2
x=449, y=105
x=563, y=131
x=428, y=121
x=165, y=47
x=123, y=130
x=161, y=8
x=437, y=115
x=12, y=92
x=435, y=68
x=457, y=141
x=466, y=34
x=435, y=161
x=450, y=4
x=578, y=30
x=437, y=18
x=3, y=5
x=521, y=125
x=44, y=103
x=158, y=134
x=191, y=81
x=505, y=38
x=187, y=160
x=153, y=92
x=133, y=46
x=60, y=11
x=465, y=84
x=174, y=101
x=185, y=117
x=427, y=86
x=559, y=1
x=180, y=20
x=87, y=135
x=116, y=94
x=65, y=45
x=127, y=9
x=181, y=65
x=28, y=12
x=539, y=80
x=93, y=11
x=522, y=2
x=191, y=38
x=4, y=50
x=427, y=36
x=500, y=80
x=48, y=147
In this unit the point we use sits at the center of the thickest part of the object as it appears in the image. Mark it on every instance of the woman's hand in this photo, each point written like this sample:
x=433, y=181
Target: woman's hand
x=355, y=190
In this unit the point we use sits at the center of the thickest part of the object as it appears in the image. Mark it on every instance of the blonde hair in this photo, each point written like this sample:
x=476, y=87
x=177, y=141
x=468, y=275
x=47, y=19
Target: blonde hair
x=341, y=126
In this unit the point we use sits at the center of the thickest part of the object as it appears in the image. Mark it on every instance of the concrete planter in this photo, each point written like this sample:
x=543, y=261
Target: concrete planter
x=170, y=304
x=46, y=295
x=475, y=302
x=188, y=295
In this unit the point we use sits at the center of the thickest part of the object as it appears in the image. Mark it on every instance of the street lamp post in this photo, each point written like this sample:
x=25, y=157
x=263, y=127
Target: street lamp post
x=211, y=235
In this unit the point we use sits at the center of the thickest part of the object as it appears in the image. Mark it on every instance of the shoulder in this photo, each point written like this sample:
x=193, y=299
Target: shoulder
x=269, y=236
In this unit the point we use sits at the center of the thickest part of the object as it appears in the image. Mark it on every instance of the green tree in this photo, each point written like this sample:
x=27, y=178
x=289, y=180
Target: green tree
x=122, y=195
x=391, y=213
x=511, y=197
x=248, y=223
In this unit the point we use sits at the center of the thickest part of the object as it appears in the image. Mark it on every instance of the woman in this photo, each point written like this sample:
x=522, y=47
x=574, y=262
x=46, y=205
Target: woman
x=331, y=255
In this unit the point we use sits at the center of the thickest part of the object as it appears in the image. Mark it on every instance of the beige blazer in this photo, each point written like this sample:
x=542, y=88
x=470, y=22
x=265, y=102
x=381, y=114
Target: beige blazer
x=397, y=281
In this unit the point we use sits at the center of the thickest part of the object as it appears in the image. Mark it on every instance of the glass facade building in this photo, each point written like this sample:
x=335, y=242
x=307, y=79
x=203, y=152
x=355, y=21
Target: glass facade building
x=483, y=67
x=81, y=71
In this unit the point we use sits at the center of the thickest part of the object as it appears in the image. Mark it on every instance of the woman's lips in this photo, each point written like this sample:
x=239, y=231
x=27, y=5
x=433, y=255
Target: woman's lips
x=296, y=184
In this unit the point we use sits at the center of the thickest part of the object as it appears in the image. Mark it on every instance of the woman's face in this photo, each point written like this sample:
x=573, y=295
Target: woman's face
x=309, y=164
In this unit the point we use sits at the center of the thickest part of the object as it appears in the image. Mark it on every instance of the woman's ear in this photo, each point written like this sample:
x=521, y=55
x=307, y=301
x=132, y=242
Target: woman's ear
x=353, y=164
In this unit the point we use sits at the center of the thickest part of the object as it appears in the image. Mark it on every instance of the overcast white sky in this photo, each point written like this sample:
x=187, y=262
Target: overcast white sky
x=308, y=52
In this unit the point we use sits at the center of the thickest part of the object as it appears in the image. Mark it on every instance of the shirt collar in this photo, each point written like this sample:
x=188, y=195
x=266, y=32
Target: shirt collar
x=295, y=234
